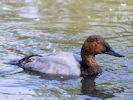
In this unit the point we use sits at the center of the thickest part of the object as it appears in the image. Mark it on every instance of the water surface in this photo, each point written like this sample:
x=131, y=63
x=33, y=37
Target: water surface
x=45, y=26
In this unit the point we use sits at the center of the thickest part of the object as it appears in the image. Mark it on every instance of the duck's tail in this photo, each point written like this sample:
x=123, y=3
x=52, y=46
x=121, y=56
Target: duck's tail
x=25, y=60
x=21, y=62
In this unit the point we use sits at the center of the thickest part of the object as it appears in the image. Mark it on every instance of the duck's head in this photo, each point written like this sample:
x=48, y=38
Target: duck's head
x=92, y=46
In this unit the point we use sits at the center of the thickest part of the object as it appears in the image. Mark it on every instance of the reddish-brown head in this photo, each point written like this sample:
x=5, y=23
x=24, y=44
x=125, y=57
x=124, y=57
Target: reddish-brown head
x=96, y=44
x=92, y=46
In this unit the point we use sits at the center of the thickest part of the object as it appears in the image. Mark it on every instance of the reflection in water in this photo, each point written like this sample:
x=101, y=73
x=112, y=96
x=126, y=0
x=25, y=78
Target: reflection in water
x=89, y=88
x=52, y=77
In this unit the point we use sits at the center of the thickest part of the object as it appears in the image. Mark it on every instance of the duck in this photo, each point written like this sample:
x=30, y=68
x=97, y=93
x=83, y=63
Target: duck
x=66, y=63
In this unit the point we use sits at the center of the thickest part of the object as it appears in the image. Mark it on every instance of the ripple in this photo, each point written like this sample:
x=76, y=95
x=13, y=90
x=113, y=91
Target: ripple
x=41, y=27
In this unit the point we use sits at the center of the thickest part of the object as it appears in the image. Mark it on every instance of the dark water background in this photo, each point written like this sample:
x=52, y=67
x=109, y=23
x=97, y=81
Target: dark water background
x=45, y=26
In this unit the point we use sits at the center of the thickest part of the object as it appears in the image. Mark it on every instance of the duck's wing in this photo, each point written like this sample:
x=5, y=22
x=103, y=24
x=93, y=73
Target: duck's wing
x=55, y=64
x=77, y=58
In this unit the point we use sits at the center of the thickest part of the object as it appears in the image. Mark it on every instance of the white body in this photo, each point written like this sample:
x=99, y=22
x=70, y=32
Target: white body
x=62, y=63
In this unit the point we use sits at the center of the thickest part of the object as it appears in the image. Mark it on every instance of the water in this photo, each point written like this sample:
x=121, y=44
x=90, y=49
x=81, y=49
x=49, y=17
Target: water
x=45, y=26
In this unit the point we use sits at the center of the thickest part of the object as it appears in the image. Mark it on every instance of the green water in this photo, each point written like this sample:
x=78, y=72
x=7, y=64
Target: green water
x=45, y=26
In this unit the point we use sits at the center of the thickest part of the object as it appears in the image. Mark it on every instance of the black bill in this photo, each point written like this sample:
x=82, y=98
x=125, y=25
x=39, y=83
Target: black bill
x=113, y=53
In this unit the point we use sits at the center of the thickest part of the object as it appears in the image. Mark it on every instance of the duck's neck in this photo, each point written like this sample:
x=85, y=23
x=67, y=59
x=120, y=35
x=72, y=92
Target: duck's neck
x=89, y=61
x=89, y=64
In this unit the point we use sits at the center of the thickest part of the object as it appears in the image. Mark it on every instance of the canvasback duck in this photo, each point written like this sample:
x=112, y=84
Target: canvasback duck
x=65, y=63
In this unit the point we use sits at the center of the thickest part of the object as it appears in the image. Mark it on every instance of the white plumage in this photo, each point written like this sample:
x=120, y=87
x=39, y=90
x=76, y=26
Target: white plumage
x=63, y=63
